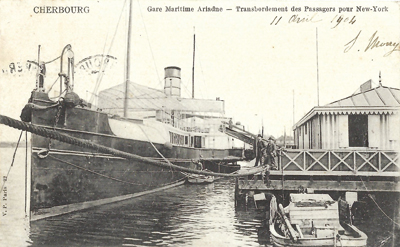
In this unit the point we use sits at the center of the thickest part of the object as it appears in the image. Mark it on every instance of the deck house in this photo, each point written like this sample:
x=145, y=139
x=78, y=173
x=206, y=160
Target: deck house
x=368, y=119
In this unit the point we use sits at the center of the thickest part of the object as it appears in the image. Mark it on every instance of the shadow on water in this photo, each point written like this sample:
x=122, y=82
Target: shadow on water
x=189, y=215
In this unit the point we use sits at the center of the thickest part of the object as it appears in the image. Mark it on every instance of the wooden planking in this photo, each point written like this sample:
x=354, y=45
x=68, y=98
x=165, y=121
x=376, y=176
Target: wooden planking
x=336, y=173
x=313, y=213
x=367, y=186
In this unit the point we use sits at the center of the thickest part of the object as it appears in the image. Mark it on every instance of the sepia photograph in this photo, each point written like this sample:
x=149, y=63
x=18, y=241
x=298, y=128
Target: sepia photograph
x=199, y=123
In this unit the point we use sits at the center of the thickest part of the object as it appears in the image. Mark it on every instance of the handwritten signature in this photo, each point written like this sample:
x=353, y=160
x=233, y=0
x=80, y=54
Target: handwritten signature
x=374, y=42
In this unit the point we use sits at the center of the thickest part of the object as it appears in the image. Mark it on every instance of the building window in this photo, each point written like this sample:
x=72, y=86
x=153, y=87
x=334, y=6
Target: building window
x=178, y=139
x=197, y=142
x=358, y=130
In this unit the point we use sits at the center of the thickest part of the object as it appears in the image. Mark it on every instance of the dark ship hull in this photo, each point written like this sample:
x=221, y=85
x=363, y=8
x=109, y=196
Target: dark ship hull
x=66, y=177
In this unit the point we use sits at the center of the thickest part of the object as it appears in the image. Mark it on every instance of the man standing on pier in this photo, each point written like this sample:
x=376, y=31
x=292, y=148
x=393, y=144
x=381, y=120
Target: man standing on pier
x=260, y=150
x=270, y=153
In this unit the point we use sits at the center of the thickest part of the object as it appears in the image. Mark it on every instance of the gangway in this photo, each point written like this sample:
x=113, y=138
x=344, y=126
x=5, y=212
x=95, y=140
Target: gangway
x=238, y=133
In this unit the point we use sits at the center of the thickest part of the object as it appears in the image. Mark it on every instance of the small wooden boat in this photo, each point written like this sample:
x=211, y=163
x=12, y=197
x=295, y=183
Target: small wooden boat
x=312, y=220
x=199, y=179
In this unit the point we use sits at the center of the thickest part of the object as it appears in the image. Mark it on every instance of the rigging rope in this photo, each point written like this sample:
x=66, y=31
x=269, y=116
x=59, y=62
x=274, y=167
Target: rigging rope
x=159, y=153
x=52, y=60
x=37, y=64
x=387, y=216
x=41, y=131
x=48, y=91
x=91, y=171
x=145, y=103
x=104, y=98
x=101, y=72
x=97, y=173
x=26, y=174
x=12, y=162
x=148, y=41
x=151, y=101
x=155, y=148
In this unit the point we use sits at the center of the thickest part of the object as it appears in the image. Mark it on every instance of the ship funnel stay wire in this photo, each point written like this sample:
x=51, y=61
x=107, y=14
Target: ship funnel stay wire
x=100, y=76
x=148, y=41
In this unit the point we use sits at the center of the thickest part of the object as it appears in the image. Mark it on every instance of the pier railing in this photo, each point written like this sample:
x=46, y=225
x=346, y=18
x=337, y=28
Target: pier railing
x=339, y=162
x=328, y=170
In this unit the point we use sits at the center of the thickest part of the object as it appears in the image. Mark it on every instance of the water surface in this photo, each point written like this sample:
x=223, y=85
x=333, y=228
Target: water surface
x=188, y=215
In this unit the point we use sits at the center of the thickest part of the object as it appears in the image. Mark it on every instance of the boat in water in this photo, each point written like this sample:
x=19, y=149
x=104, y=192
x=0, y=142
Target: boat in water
x=312, y=220
x=169, y=129
x=199, y=178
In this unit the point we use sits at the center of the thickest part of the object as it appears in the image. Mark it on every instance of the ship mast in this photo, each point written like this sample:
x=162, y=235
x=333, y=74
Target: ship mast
x=316, y=42
x=128, y=52
x=194, y=51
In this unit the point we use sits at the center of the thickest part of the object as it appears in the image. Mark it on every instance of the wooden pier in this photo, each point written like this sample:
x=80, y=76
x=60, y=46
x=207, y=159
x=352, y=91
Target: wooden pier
x=329, y=171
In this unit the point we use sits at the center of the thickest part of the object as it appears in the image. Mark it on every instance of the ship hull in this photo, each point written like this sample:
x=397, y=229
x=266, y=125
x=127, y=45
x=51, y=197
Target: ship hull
x=64, y=175
x=84, y=180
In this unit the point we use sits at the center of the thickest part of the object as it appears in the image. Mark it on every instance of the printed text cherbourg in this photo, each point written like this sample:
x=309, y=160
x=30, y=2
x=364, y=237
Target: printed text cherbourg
x=61, y=9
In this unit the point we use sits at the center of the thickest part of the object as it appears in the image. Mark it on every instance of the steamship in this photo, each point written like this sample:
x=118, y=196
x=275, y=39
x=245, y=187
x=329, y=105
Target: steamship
x=156, y=124
x=183, y=131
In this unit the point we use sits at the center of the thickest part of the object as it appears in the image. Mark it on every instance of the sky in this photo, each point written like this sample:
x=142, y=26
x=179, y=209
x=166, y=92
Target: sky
x=264, y=69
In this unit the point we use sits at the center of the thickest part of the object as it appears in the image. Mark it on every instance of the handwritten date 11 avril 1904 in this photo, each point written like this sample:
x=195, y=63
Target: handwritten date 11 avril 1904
x=338, y=19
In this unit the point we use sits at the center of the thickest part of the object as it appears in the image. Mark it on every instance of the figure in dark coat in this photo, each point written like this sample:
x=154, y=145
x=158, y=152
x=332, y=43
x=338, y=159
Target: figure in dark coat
x=42, y=75
x=260, y=150
x=270, y=153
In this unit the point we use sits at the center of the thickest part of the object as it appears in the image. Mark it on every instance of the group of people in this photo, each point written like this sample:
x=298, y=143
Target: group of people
x=265, y=152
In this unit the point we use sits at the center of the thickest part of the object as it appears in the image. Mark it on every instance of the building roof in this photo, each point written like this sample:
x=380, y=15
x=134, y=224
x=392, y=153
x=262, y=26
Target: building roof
x=283, y=137
x=142, y=98
x=379, y=96
x=378, y=100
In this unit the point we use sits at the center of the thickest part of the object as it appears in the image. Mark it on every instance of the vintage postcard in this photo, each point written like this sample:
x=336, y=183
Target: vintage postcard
x=199, y=123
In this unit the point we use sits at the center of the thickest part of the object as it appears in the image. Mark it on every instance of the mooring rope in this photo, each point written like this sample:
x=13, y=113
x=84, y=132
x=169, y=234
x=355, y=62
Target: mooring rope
x=155, y=148
x=387, y=216
x=48, y=133
x=94, y=172
x=159, y=153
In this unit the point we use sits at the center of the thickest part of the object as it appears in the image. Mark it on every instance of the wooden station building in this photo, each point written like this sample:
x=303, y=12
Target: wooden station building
x=367, y=119
x=350, y=145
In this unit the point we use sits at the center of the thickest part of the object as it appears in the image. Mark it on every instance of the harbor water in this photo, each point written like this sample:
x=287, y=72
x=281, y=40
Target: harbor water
x=188, y=215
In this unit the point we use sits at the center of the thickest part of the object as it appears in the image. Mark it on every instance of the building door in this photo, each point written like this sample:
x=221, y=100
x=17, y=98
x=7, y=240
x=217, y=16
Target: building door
x=358, y=130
